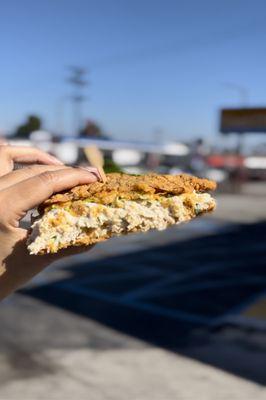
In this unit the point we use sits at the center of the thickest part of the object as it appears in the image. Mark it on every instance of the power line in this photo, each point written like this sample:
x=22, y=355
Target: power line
x=176, y=48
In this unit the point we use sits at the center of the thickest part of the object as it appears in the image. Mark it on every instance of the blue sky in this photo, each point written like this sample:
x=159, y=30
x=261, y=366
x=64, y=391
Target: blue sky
x=153, y=63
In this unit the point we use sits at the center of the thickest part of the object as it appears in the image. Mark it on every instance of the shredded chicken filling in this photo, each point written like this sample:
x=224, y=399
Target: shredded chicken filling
x=63, y=226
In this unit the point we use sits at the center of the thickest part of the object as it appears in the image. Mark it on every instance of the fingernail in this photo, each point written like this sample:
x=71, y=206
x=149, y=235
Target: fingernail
x=102, y=174
x=93, y=171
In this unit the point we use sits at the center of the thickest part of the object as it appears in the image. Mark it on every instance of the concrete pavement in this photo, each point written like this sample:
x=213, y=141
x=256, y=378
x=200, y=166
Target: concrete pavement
x=47, y=353
x=79, y=342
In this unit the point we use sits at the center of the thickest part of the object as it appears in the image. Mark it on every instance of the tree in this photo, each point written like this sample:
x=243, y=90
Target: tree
x=92, y=130
x=33, y=123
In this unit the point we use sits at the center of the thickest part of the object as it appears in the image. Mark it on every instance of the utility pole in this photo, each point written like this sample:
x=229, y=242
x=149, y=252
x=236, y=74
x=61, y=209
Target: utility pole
x=78, y=82
x=243, y=94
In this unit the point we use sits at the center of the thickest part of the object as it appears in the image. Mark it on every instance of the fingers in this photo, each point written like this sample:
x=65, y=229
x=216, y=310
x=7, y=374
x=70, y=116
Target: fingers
x=11, y=154
x=29, y=193
x=25, y=173
x=30, y=155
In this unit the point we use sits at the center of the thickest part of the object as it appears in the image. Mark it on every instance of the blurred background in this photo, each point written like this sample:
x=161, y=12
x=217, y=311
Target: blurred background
x=158, y=86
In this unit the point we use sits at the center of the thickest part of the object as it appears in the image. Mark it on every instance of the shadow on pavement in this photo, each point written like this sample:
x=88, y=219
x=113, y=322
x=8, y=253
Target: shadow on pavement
x=178, y=296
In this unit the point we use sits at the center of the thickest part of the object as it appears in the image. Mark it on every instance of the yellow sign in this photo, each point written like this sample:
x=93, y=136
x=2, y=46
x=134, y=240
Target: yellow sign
x=241, y=120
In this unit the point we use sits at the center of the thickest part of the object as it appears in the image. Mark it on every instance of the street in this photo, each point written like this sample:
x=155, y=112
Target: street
x=178, y=314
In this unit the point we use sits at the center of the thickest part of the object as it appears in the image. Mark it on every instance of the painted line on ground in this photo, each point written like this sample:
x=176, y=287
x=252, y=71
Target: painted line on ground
x=150, y=288
x=208, y=285
x=156, y=310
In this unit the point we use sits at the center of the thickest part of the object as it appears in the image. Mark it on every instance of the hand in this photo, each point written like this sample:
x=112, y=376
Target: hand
x=21, y=191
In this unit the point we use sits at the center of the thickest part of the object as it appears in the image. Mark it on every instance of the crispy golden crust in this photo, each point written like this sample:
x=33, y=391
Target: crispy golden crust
x=131, y=187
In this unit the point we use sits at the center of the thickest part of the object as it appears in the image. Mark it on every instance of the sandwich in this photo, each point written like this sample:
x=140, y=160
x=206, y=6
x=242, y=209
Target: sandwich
x=123, y=204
